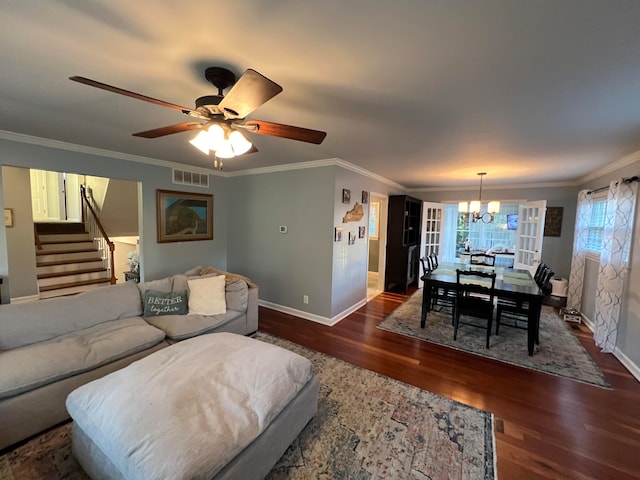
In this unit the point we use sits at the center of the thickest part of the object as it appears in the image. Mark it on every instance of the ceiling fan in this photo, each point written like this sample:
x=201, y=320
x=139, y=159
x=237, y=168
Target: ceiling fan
x=228, y=111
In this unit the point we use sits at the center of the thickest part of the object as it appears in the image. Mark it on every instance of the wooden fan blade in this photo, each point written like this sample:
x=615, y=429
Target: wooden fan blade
x=250, y=91
x=171, y=129
x=286, y=131
x=144, y=98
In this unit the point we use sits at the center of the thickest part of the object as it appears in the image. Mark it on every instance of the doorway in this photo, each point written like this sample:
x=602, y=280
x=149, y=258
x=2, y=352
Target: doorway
x=377, y=244
x=55, y=196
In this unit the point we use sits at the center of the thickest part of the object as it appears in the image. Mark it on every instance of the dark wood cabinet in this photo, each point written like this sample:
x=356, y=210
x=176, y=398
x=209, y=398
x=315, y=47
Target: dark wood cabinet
x=403, y=240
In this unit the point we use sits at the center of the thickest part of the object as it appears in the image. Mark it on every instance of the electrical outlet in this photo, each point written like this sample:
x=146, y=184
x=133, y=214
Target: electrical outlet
x=305, y=299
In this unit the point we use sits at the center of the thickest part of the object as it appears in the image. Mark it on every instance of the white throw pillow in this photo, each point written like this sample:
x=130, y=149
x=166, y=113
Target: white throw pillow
x=206, y=296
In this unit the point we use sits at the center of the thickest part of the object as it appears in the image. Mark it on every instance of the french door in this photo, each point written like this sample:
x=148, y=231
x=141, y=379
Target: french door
x=529, y=238
x=432, y=231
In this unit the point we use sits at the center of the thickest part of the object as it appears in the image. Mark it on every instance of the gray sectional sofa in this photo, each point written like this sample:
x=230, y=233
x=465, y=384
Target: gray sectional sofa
x=50, y=347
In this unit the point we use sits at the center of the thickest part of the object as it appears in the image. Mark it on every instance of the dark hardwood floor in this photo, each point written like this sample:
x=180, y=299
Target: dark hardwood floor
x=546, y=427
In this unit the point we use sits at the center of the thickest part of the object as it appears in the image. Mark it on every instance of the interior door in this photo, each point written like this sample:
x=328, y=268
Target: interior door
x=529, y=235
x=432, y=231
x=39, y=195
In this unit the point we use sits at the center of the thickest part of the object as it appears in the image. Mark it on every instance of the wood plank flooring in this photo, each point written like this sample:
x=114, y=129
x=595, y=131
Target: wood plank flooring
x=546, y=427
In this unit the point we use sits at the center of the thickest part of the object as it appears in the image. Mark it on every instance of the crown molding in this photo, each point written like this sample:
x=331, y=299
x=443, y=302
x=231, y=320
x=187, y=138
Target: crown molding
x=330, y=162
x=474, y=188
x=100, y=152
x=612, y=167
x=73, y=147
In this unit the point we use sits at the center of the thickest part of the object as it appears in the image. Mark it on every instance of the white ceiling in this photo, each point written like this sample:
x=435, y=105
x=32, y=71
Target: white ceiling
x=425, y=93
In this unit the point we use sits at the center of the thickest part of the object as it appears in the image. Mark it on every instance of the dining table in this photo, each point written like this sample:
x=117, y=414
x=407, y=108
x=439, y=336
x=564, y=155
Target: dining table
x=514, y=284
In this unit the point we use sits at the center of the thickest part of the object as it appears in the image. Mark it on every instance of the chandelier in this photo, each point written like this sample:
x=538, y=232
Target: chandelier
x=473, y=208
x=222, y=141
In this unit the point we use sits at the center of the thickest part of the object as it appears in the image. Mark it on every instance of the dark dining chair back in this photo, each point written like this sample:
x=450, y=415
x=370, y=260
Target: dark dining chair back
x=475, y=293
x=539, y=271
x=482, y=259
x=545, y=281
x=434, y=260
x=426, y=265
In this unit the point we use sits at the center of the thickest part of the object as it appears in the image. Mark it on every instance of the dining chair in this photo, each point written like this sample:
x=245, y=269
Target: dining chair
x=545, y=281
x=474, y=298
x=426, y=265
x=482, y=259
x=440, y=296
x=539, y=272
x=516, y=315
x=517, y=312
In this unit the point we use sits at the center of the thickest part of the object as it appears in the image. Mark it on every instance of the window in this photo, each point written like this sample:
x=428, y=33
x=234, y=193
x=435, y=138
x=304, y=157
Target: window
x=596, y=226
x=483, y=236
x=374, y=220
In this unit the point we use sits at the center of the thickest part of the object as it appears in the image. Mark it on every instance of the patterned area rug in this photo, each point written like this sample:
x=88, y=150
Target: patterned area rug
x=559, y=353
x=367, y=426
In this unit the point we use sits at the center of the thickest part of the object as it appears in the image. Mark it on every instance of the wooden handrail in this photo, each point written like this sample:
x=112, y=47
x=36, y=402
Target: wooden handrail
x=112, y=247
x=37, y=237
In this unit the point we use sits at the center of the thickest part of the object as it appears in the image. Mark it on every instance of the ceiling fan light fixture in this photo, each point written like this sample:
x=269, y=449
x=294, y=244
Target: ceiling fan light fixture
x=201, y=142
x=239, y=143
x=218, y=139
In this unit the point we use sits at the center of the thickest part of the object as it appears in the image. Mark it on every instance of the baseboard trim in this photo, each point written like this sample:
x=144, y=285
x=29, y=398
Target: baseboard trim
x=619, y=354
x=628, y=363
x=330, y=322
x=27, y=299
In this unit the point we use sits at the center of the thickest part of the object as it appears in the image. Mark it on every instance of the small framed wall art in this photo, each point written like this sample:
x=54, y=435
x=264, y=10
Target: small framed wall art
x=337, y=235
x=346, y=195
x=365, y=197
x=352, y=238
x=361, y=231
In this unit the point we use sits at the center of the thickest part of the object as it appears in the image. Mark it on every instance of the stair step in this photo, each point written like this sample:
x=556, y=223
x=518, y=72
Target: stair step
x=71, y=285
x=83, y=245
x=70, y=278
x=58, y=227
x=66, y=262
x=67, y=257
x=58, y=274
x=64, y=237
x=68, y=267
x=73, y=290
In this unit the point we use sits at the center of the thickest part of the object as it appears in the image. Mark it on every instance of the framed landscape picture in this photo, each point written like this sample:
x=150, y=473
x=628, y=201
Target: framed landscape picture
x=184, y=216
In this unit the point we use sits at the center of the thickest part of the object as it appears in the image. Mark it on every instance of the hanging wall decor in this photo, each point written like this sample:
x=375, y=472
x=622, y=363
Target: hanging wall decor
x=183, y=216
x=553, y=222
x=354, y=215
x=346, y=195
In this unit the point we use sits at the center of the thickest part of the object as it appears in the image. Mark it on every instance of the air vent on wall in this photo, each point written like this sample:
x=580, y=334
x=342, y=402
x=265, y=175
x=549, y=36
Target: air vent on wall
x=184, y=177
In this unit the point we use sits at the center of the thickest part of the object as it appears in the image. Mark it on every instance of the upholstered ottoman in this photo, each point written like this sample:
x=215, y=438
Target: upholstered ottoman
x=216, y=406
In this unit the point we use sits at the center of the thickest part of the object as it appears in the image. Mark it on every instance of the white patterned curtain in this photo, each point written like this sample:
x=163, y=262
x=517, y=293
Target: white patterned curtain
x=580, y=237
x=618, y=229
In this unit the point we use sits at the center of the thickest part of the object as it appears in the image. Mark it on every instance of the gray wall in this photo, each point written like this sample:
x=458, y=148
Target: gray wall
x=158, y=260
x=290, y=265
x=556, y=251
x=306, y=260
x=19, y=238
x=628, y=343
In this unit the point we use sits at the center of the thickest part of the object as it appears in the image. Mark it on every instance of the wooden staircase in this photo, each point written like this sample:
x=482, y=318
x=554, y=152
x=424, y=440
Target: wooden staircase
x=67, y=260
